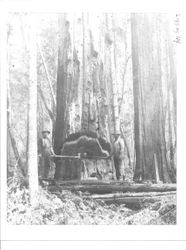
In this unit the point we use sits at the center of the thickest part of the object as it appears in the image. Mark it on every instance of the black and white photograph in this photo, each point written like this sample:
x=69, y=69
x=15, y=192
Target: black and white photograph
x=91, y=118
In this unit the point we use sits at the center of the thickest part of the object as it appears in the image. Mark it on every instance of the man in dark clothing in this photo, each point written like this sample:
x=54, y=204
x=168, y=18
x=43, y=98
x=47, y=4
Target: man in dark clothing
x=118, y=154
x=46, y=152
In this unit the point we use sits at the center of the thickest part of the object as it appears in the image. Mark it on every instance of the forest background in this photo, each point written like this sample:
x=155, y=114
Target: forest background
x=101, y=91
x=129, y=139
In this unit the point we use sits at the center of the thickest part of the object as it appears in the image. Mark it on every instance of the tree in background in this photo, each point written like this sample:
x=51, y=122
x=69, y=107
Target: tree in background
x=148, y=41
x=32, y=115
x=10, y=132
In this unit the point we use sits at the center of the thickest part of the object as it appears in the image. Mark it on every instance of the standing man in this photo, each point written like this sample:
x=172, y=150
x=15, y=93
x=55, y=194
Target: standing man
x=46, y=152
x=118, y=154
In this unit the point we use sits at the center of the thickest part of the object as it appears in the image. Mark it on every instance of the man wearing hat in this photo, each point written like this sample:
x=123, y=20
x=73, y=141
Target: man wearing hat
x=118, y=154
x=46, y=152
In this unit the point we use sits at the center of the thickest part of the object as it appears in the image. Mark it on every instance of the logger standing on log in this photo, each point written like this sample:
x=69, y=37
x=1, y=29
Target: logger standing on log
x=118, y=154
x=46, y=152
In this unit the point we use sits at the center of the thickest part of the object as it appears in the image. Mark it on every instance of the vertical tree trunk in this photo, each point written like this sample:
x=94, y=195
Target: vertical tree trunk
x=148, y=98
x=84, y=120
x=171, y=105
x=61, y=92
x=114, y=78
x=136, y=94
x=32, y=115
x=60, y=130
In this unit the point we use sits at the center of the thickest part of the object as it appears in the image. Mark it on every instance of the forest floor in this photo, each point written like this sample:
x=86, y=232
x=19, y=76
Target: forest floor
x=68, y=208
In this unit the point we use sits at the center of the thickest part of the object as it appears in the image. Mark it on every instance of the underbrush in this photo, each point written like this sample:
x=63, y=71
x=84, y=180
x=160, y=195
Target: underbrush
x=67, y=208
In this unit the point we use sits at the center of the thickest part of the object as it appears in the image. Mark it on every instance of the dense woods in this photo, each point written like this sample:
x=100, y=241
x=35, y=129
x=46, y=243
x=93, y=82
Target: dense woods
x=81, y=78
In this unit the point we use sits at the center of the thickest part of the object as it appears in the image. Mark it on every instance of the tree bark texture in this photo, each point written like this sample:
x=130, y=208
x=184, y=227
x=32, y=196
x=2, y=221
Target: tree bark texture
x=149, y=115
x=86, y=70
x=84, y=81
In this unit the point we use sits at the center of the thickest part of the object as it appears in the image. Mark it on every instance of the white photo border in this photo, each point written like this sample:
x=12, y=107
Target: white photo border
x=96, y=233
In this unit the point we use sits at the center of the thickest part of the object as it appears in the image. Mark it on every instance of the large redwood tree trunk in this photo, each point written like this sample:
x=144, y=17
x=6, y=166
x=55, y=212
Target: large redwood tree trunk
x=149, y=110
x=87, y=69
x=82, y=104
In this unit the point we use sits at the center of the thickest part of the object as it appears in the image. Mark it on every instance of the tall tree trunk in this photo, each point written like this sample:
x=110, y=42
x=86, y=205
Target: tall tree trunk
x=61, y=92
x=171, y=104
x=60, y=130
x=32, y=115
x=114, y=78
x=85, y=96
x=148, y=98
x=136, y=93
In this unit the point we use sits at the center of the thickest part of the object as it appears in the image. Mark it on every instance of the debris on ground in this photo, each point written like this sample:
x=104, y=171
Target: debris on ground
x=67, y=208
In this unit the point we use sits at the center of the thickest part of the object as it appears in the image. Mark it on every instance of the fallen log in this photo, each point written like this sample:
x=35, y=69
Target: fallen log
x=131, y=200
x=89, y=181
x=113, y=188
x=138, y=202
x=83, y=182
x=124, y=195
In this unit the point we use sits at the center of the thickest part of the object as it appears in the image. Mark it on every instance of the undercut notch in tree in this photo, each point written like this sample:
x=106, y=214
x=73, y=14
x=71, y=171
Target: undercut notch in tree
x=84, y=144
x=84, y=155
